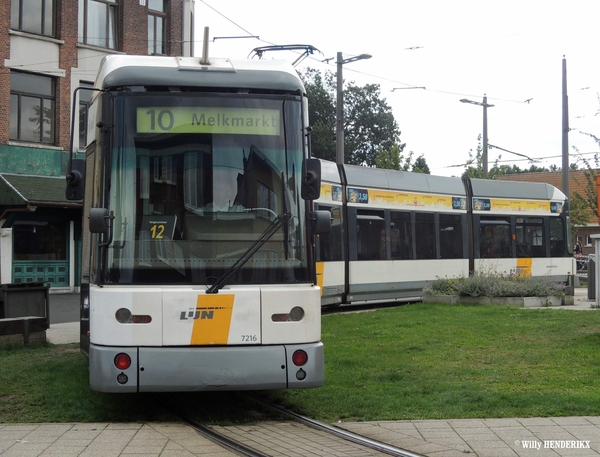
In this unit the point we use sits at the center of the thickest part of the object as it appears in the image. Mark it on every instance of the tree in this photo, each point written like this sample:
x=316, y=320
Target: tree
x=420, y=165
x=393, y=159
x=321, y=113
x=583, y=208
x=369, y=125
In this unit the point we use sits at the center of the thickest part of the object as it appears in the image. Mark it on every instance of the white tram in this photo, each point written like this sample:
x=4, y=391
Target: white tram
x=198, y=238
x=394, y=232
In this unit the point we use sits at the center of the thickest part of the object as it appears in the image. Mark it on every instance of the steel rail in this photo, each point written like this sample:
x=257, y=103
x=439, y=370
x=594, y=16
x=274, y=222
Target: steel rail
x=341, y=433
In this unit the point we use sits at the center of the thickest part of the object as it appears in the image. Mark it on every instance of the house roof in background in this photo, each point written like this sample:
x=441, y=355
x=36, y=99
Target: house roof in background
x=577, y=179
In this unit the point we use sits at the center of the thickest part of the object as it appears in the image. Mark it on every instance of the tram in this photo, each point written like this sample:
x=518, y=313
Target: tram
x=395, y=232
x=198, y=231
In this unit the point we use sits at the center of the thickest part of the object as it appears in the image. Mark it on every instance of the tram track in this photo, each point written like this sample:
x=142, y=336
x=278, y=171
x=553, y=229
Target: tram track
x=299, y=436
x=339, y=432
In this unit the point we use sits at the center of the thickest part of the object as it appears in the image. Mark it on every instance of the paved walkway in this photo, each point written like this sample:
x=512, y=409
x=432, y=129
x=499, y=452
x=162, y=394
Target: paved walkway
x=539, y=437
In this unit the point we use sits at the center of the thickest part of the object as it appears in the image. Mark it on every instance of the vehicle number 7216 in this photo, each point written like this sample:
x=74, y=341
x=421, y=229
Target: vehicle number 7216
x=249, y=338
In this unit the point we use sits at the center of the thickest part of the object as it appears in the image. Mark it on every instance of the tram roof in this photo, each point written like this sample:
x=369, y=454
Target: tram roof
x=491, y=188
x=128, y=70
x=402, y=180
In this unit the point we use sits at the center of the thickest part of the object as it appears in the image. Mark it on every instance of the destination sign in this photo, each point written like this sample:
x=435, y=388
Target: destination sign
x=234, y=121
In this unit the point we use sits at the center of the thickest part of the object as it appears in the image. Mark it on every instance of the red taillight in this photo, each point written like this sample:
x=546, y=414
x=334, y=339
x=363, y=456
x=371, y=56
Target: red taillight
x=299, y=358
x=122, y=361
x=141, y=319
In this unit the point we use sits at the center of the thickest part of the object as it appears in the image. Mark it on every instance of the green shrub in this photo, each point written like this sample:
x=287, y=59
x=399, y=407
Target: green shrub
x=496, y=285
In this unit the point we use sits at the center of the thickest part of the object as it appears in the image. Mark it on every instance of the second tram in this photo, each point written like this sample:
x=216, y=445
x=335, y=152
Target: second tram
x=395, y=232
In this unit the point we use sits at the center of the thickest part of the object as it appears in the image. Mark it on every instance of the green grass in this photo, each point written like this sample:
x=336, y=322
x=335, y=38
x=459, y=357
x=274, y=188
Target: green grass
x=423, y=361
x=438, y=361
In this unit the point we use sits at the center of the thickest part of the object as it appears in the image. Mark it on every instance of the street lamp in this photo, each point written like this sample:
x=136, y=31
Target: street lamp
x=485, y=133
x=339, y=125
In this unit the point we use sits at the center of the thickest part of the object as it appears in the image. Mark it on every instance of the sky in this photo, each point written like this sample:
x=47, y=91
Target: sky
x=511, y=51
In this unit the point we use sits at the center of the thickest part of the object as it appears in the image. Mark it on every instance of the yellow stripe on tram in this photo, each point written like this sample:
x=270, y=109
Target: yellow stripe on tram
x=320, y=268
x=212, y=319
x=524, y=266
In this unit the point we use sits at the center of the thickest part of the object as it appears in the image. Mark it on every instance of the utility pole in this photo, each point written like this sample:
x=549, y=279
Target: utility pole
x=565, y=131
x=484, y=153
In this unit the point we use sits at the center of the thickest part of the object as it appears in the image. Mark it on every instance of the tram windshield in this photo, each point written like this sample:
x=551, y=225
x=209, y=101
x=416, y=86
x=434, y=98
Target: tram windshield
x=196, y=180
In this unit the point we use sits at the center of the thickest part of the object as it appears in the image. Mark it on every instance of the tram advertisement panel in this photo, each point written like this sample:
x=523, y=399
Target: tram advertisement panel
x=499, y=205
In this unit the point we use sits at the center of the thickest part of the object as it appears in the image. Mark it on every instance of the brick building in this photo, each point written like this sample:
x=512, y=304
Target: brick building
x=577, y=183
x=47, y=49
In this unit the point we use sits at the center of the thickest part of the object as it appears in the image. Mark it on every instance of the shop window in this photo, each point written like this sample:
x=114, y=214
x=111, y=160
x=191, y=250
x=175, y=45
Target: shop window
x=40, y=240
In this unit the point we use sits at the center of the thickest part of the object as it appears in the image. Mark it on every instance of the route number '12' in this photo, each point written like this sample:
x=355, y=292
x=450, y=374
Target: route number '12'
x=159, y=227
x=157, y=231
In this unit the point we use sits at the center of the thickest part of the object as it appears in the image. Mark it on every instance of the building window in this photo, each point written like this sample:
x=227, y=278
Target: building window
x=32, y=116
x=33, y=16
x=85, y=96
x=156, y=27
x=98, y=23
x=40, y=240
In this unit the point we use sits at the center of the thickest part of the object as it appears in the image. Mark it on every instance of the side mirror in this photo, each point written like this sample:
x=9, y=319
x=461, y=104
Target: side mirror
x=76, y=180
x=321, y=222
x=101, y=222
x=311, y=179
x=98, y=220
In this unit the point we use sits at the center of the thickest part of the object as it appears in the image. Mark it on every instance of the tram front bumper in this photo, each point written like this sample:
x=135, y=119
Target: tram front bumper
x=188, y=369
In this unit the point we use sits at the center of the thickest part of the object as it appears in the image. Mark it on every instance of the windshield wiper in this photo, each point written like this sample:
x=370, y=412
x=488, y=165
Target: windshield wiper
x=261, y=240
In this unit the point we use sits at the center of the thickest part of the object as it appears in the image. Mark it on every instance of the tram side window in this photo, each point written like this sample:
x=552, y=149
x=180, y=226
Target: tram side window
x=451, y=240
x=530, y=237
x=557, y=237
x=401, y=235
x=330, y=244
x=494, y=238
x=425, y=235
x=370, y=235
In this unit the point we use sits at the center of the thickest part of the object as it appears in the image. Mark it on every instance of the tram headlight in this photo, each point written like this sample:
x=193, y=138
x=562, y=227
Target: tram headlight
x=123, y=316
x=296, y=314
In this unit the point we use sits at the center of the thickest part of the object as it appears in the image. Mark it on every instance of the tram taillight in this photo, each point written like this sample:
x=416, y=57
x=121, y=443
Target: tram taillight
x=299, y=358
x=122, y=361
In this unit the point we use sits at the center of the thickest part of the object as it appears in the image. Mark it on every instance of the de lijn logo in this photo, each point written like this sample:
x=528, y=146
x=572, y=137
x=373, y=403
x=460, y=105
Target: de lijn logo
x=200, y=313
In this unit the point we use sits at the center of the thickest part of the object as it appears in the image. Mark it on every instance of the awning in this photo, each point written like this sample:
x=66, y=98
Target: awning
x=31, y=190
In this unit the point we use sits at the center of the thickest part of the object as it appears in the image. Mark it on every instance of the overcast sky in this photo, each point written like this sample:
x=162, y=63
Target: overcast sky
x=510, y=50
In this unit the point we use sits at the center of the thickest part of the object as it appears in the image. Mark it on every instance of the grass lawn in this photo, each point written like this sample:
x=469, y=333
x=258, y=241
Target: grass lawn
x=429, y=361
x=422, y=361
